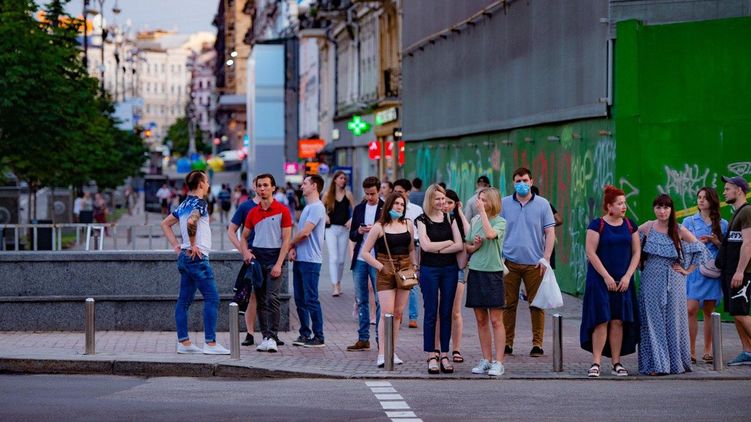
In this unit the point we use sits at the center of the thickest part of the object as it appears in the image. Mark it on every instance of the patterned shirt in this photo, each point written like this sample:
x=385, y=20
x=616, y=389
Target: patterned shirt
x=193, y=204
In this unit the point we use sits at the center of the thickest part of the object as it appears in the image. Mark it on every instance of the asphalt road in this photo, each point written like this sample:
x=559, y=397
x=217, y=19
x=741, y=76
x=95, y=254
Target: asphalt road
x=74, y=398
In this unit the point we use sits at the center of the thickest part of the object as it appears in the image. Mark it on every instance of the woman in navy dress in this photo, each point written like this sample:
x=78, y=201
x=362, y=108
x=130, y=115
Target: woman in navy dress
x=702, y=291
x=610, y=324
x=670, y=253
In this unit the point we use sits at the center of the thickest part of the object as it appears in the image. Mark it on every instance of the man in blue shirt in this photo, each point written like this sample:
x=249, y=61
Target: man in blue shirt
x=306, y=269
x=530, y=237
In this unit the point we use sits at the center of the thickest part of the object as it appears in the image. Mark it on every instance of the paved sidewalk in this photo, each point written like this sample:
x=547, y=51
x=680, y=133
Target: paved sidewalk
x=153, y=353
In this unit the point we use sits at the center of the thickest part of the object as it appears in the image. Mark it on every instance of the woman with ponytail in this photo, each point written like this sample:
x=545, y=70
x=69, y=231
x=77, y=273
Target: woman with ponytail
x=670, y=252
x=703, y=291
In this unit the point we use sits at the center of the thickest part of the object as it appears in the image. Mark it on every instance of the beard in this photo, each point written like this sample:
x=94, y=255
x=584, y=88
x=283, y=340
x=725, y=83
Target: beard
x=731, y=201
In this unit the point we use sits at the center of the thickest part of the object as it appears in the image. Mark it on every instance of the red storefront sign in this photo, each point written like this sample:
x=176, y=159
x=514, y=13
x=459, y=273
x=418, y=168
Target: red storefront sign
x=374, y=150
x=309, y=148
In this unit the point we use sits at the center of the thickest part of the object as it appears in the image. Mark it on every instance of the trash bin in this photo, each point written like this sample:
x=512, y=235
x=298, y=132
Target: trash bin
x=44, y=236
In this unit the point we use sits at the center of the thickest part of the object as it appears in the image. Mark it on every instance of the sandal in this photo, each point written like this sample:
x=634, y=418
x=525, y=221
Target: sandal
x=457, y=357
x=708, y=358
x=619, y=370
x=433, y=365
x=594, y=371
x=693, y=360
x=447, y=368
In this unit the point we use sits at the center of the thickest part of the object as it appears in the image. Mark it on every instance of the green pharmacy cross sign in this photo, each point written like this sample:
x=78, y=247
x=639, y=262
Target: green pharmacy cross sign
x=358, y=126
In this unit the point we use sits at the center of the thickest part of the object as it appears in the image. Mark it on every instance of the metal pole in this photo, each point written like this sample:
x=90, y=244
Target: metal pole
x=557, y=343
x=716, y=341
x=35, y=237
x=234, y=331
x=90, y=326
x=15, y=235
x=388, y=332
x=150, y=248
x=114, y=236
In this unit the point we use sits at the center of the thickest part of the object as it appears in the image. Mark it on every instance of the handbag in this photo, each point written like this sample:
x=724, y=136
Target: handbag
x=709, y=270
x=405, y=279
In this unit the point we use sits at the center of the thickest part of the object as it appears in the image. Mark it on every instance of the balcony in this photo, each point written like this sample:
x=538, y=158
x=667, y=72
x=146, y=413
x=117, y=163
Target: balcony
x=391, y=82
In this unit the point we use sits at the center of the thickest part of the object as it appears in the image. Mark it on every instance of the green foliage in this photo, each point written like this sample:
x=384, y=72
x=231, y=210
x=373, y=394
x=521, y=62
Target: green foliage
x=179, y=135
x=56, y=129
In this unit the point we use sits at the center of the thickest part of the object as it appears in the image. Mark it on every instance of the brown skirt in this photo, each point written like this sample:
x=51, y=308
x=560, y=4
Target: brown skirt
x=386, y=278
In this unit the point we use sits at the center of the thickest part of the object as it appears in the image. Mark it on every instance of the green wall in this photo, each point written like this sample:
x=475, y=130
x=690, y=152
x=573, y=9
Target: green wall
x=682, y=111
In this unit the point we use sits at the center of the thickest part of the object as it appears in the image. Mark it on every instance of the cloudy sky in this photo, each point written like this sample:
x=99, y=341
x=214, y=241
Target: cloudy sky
x=184, y=16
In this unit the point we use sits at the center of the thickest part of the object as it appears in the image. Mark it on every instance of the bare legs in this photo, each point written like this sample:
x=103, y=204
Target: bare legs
x=485, y=319
x=392, y=302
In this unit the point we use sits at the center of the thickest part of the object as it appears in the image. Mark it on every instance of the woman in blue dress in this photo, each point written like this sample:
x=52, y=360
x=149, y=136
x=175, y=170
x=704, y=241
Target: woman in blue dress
x=702, y=291
x=669, y=254
x=610, y=325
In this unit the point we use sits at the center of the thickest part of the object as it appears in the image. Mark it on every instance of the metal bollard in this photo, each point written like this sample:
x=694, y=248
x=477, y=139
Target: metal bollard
x=716, y=341
x=557, y=343
x=90, y=326
x=388, y=341
x=234, y=330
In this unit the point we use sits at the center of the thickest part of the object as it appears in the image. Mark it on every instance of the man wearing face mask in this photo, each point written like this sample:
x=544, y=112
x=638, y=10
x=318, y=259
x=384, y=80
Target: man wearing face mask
x=530, y=237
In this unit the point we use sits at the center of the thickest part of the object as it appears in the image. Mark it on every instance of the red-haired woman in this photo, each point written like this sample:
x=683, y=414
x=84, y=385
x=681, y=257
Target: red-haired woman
x=703, y=291
x=670, y=252
x=610, y=321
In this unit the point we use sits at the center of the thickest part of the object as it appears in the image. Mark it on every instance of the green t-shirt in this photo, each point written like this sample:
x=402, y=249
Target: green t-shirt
x=488, y=257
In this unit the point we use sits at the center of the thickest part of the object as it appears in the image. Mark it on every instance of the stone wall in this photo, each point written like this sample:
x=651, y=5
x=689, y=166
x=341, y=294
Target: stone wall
x=134, y=291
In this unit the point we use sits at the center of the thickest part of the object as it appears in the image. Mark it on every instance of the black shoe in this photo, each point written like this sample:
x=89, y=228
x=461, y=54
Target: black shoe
x=536, y=352
x=300, y=341
x=315, y=342
x=508, y=350
x=249, y=340
x=278, y=342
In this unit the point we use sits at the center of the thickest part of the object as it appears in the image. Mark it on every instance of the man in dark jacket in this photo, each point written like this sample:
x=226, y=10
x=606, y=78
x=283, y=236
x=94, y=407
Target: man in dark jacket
x=364, y=216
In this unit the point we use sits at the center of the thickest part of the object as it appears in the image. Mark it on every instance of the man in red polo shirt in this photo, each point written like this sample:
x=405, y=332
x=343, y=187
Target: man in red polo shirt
x=272, y=224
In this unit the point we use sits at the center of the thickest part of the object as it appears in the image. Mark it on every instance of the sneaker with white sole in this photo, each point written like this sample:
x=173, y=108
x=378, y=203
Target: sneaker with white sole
x=742, y=359
x=380, y=361
x=216, y=349
x=482, y=367
x=192, y=348
x=397, y=361
x=271, y=346
x=264, y=346
x=496, y=369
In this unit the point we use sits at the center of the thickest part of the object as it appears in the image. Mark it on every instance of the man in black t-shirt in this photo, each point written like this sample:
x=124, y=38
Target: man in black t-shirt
x=734, y=259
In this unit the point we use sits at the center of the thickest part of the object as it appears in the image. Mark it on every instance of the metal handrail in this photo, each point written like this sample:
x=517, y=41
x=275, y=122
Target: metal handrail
x=94, y=229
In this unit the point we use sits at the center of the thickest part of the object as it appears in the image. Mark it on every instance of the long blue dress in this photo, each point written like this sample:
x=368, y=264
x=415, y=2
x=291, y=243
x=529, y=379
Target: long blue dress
x=600, y=305
x=664, y=346
x=698, y=286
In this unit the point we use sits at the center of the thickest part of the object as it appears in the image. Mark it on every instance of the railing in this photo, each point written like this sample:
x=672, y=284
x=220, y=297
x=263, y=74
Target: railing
x=108, y=236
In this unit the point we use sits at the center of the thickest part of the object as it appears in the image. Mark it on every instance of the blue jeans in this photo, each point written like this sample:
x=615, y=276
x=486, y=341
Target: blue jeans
x=414, y=305
x=360, y=275
x=305, y=277
x=432, y=281
x=196, y=274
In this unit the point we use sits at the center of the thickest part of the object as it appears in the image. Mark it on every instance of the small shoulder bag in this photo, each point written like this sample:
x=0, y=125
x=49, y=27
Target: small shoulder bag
x=406, y=279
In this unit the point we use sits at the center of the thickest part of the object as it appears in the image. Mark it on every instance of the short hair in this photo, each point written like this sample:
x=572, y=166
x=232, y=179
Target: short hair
x=266, y=176
x=404, y=184
x=427, y=203
x=521, y=171
x=442, y=184
x=417, y=183
x=194, y=178
x=492, y=197
x=318, y=180
x=389, y=184
x=371, y=182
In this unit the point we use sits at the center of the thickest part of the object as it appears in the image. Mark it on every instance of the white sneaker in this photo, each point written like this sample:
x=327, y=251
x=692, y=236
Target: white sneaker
x=216, y=349
x=482, y=367
x=271, y=345
x=380, y=361
x=264, y=346
x=397, y=361
x=496, y=369
x=192, y=348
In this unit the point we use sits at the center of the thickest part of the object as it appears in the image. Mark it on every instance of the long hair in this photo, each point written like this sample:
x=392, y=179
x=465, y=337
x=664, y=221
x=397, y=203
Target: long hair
x=330, y=198
x=388, y=204
x=664, y=200
x=430, y=193
x=710, y=194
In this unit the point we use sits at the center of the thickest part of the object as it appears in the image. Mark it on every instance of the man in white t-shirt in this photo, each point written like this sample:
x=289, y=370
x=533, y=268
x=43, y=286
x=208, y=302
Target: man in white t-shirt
x=403, y=187
x=164, y=194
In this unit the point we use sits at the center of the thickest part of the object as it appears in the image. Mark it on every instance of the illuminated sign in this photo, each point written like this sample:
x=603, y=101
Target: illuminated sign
x=309, y=148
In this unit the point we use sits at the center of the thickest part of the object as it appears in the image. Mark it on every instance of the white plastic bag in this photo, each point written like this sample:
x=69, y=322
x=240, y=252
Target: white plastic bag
x=548, y=294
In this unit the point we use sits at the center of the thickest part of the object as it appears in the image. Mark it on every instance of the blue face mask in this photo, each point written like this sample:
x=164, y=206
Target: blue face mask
x=521, y=188
x=395, y=215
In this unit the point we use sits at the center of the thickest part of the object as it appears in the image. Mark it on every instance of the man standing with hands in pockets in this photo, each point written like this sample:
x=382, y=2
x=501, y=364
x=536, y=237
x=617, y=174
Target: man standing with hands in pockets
x=530, y=237
x=272, y=224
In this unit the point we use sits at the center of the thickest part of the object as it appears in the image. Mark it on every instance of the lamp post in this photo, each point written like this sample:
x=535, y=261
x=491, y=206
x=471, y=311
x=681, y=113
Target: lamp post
x=86, y=36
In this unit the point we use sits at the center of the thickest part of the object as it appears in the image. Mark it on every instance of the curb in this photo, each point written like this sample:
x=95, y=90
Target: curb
x=142, y=368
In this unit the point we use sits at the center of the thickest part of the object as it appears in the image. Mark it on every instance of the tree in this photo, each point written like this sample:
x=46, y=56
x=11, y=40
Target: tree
x=179, y=135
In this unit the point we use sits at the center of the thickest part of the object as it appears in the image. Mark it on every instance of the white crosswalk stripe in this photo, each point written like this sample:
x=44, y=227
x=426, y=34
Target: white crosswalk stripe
x=392, y=402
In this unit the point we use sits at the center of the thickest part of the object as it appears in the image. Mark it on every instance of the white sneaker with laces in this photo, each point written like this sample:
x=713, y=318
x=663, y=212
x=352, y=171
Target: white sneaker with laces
x=496, y=369
x=264, y=346
x=271, y=346
x=192, y=348
x=482, y=367
x=397, y=361
x=380, y=361
x=216, y=349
